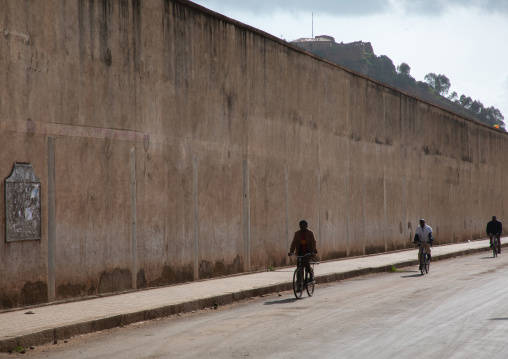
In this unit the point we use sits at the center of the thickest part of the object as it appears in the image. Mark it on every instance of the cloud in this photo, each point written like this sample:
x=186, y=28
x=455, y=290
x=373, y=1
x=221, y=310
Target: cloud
x=437, y=7
x=505, y=83
x=343, y=8
x=325, y=7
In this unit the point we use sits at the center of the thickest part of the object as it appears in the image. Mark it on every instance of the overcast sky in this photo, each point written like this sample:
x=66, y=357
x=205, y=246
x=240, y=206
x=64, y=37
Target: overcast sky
x=465, y=40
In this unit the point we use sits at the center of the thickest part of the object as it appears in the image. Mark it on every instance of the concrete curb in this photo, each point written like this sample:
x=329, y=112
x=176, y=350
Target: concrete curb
x=68, y=331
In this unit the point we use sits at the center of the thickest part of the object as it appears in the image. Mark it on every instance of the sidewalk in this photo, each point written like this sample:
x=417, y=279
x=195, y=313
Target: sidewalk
x=46, y=323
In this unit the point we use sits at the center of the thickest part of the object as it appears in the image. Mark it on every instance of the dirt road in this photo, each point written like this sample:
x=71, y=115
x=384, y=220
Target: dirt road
x=459, y=310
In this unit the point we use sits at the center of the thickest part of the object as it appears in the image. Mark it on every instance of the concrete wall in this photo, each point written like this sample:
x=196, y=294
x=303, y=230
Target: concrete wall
x=174, y=144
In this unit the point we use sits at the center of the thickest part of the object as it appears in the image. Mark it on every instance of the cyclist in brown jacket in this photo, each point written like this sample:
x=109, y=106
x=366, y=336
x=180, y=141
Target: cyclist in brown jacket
x=304, y=242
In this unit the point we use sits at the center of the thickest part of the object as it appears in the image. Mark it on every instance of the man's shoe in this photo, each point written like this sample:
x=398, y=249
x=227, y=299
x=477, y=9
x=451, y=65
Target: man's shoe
x=312, y=278
x=499, y=251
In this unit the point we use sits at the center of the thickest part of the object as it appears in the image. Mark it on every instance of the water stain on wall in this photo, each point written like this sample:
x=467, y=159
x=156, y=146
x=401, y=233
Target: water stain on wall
x=9, y=300
x=394, y=246
x=140, y=279
x=332, y=255
x=372, y=249
x=34, y=293
x=70, y=290
x=217, y=269
x=116, y=281
x=168, y=276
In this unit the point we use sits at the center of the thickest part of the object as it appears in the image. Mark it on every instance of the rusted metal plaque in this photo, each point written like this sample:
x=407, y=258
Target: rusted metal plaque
x=22, y=204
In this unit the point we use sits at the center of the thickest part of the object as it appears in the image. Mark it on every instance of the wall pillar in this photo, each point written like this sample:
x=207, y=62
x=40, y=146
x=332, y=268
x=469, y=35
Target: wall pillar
x=51, y=218
x=134, y=225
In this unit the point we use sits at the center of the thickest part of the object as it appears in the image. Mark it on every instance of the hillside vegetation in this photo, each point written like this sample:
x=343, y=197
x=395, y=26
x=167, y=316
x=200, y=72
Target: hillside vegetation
x=434, y=88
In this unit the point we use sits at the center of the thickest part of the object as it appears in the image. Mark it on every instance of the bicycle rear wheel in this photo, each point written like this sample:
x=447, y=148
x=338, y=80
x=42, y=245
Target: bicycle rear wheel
x=298, y=284
x=310, y=285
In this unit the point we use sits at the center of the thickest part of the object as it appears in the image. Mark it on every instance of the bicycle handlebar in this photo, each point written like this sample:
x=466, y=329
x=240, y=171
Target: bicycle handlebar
x=305, y=255
x=419, y=243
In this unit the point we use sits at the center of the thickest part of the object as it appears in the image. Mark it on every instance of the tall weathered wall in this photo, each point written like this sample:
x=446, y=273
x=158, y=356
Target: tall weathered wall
x=174, y=144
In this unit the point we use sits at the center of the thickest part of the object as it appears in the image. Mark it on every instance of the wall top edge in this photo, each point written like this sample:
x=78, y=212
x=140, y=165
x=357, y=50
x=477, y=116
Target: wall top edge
x=264, y=34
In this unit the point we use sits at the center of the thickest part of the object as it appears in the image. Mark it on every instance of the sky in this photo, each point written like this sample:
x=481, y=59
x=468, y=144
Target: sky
x=465, y=40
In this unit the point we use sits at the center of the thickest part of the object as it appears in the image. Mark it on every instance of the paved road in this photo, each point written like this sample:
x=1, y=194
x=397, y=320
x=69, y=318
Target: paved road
x=459, y=310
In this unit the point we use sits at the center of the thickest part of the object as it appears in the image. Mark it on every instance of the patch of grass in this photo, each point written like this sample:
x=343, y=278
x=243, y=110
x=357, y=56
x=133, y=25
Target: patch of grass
x=19, y=349
x=393, y=269
x=270, y=268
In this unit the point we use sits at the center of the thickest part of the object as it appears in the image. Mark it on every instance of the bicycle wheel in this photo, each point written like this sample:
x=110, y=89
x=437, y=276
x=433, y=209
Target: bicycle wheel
x=494, y=247
x=427, y=264
x=309, y=285
x=298, y=294
x=422, y=262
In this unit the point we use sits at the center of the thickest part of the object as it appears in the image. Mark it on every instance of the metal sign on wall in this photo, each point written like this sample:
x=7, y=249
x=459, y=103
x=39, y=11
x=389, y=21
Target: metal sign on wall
x=22, y=204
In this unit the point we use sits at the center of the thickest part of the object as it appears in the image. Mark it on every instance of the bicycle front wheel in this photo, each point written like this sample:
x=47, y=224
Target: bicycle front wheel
x=427, y=265
x=310, y=285
x=298, y=283
x=494, y=247
x=422, y=262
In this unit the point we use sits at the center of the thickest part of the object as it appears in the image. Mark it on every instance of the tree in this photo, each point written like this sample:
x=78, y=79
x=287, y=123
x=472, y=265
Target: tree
x=454, y=97
x=477, y=107
x=440, y=83
x=403, y=77
x=489, y=115
x=494, y=117
x=466, y=102
x=382, y=68
x=430, y=79
x=404, y=69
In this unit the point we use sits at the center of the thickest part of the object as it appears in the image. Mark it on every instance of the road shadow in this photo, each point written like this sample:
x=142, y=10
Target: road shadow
x=498, y=319
x=491, y=257
x=417, y=274
x=282, y=301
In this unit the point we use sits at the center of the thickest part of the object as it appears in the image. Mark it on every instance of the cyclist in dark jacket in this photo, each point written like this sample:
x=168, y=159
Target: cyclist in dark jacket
x=494, y=228
x=304, y=242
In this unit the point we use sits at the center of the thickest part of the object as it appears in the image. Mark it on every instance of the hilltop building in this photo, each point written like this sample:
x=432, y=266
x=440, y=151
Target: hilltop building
x=348, y=54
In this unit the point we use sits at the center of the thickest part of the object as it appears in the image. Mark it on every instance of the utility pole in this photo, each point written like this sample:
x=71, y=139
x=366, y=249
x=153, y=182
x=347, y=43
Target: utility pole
x=312, y=24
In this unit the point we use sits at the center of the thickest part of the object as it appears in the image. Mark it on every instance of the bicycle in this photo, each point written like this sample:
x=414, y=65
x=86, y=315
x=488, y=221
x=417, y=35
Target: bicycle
x=424, y=259
x=495, y=244
x=301, y=278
